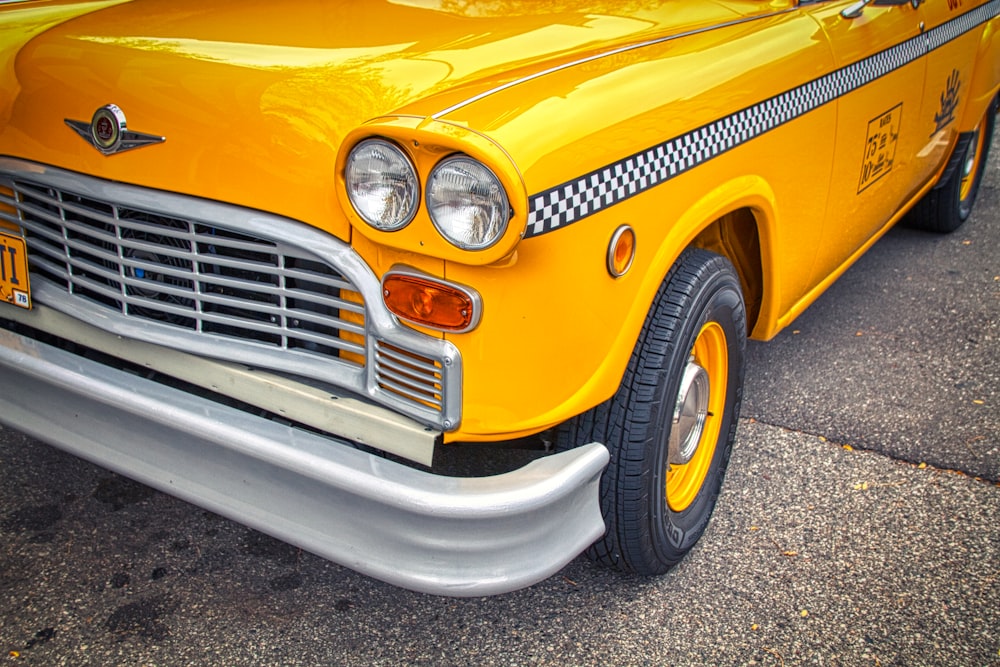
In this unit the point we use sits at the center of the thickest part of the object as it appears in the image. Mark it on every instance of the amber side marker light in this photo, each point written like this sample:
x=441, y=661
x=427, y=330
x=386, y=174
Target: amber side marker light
x=621, y=251
x=431, y=303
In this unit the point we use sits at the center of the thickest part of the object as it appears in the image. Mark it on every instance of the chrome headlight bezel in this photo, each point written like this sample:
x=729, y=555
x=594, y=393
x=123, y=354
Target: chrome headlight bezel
x=467, y=203
x=397, y=179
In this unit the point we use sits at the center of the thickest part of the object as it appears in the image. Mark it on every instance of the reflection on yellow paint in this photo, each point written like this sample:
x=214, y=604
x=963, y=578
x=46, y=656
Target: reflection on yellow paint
x=939, y=143
x=535, y=44
x=18, y=24
x=248, y=55
x=21, y=23
x=506, y=8
x=427, y=63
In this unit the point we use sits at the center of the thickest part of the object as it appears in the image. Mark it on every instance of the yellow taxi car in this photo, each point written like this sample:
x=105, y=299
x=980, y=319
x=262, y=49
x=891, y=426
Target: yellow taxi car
x=275, y=258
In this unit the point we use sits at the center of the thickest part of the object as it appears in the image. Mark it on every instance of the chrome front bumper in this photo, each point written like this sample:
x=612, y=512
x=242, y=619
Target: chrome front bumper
x=426, y=532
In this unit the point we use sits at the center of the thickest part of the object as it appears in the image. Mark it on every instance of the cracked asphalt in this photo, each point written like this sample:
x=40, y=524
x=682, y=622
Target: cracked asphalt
x=859, y=524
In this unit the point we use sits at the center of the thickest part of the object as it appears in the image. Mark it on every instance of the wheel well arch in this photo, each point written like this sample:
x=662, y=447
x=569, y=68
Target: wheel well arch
x=736, y=236
x=738, y=219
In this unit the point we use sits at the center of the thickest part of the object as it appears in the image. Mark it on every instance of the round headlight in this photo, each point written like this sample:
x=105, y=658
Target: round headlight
x=382, y=184
x=467, y=203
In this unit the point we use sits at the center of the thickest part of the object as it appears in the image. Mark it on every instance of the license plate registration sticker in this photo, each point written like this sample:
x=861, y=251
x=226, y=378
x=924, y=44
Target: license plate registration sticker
x=14, y=271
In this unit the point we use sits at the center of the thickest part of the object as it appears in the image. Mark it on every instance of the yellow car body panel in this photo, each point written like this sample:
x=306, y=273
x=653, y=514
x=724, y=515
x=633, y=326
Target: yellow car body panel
x=259, y=106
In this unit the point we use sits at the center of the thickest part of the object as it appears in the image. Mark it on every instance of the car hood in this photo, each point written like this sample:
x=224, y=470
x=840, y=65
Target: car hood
x=255, y=98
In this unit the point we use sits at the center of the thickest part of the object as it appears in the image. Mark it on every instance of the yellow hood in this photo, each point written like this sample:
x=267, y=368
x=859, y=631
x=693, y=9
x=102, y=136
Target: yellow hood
x=255, y=98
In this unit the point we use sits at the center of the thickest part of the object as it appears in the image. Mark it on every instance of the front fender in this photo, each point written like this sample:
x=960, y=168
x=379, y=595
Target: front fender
x=561, y=333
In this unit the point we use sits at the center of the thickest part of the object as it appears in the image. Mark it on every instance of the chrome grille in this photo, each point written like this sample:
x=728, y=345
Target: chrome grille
x=408, y=375
x=190, y=274
x=225, y=282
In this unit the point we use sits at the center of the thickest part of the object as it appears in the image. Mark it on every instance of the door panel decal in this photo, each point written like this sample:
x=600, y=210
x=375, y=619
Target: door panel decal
x=880, y=146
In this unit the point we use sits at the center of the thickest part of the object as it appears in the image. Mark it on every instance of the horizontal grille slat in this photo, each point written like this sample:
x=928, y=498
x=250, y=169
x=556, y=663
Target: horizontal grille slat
x=87, y=250
x=46, y=214
x=321, y=281
x=51, y=233
x=231, y=245
x=409, y=375
x=403, y=382
x=407, y=392
x=324, y=302
x=297, y=316
x=409, y=365
x=84, y=285
x=189, y=273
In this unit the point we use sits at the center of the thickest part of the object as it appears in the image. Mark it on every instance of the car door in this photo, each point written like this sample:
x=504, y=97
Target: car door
x=880, y=79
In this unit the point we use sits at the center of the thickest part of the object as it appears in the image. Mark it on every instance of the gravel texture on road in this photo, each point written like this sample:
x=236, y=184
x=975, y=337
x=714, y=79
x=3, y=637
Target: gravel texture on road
x=816, y=555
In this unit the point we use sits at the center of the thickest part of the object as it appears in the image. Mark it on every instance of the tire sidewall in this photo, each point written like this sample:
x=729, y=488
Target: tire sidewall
x=943, y=210
x=963, y=207
x=674, y=533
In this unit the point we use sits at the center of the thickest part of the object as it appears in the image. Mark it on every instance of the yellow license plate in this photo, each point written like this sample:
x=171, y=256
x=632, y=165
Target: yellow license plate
x=14, y=271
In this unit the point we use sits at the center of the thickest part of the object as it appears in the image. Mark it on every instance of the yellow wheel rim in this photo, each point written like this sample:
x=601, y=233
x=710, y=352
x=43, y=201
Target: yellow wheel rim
x=684, y=481
x=970, y=163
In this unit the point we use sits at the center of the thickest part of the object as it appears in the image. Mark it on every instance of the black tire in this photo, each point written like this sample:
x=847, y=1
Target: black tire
x=945, y=208
x=653, y=517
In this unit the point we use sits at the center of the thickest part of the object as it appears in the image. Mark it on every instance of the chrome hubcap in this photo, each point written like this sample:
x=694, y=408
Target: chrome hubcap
x=689, y=414
x=970, y=156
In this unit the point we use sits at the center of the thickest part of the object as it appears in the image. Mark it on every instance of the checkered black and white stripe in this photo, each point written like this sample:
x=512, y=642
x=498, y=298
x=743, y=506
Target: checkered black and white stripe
x=960, y=25
x=577, y=199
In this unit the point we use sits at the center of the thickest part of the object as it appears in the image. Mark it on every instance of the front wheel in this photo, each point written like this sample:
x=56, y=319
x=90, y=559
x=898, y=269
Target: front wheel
x=670, y=426
x=945, y=208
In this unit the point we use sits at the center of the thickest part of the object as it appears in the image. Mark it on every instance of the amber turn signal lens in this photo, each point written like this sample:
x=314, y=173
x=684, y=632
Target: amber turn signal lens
x=621, y=251
x=431, y=303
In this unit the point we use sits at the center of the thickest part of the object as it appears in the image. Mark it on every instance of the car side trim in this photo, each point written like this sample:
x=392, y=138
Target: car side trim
x=614, y=183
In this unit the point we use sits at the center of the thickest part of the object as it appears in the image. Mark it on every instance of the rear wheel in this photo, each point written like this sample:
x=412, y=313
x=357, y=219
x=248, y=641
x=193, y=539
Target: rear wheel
x=670, y=427
x=945, y=208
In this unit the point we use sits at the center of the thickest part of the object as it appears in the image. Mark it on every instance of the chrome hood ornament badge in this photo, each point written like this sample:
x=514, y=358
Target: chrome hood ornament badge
x=108, y=133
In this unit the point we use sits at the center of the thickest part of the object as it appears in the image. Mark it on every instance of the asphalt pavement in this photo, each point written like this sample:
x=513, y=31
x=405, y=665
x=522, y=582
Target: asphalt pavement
x=859, y=523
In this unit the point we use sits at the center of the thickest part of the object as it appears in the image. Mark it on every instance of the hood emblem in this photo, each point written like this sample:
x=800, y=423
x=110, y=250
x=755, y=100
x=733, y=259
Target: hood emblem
x=108, y=133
